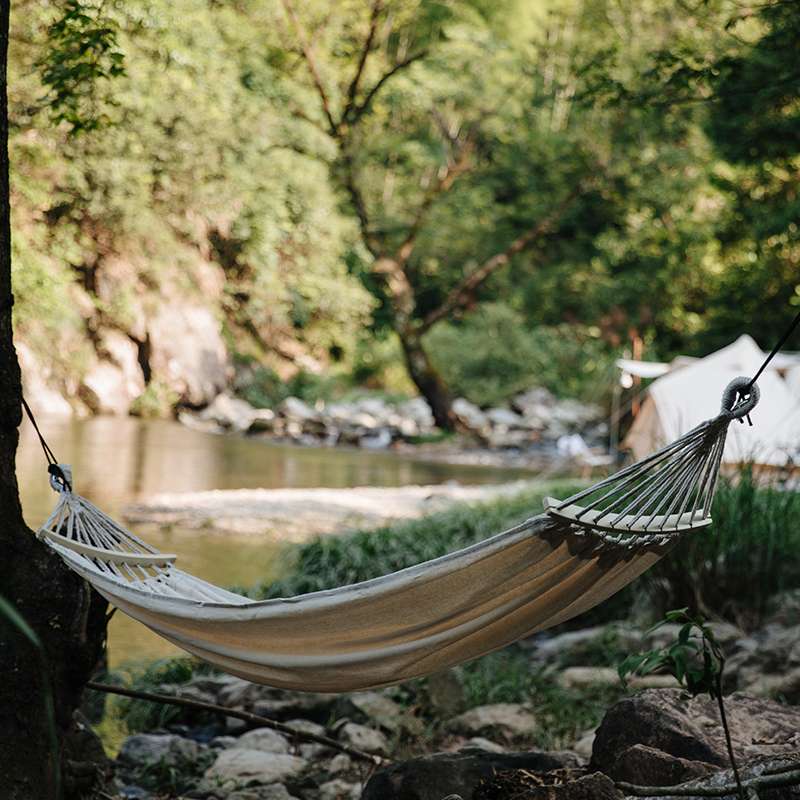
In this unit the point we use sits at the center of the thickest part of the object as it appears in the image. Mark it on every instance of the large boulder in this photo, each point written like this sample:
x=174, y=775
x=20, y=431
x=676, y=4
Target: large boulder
x=436, y=776
x=187, y=352
x=557, y=785
x=665, y=734
x=41, y=396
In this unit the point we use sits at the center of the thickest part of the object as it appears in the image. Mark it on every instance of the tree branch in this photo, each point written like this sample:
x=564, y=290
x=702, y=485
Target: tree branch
x=790, y=778
x=459, y=295
x=359, y=110
x=352, y=89
x=457, y=167
x=246, y=716
x=311, y=63
x=371, y=241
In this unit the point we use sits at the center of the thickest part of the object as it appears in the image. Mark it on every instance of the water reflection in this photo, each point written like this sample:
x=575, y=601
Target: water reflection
x=118, y=460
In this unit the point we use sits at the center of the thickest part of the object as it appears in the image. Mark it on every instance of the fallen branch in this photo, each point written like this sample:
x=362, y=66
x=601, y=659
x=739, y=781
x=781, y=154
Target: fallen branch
x=246, y=716
x=771, y=781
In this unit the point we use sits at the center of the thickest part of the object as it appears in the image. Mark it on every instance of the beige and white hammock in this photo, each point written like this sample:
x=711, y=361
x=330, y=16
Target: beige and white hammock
x=425, y=618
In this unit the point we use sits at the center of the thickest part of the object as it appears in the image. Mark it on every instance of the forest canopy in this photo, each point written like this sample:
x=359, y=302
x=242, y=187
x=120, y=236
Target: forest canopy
x=468, y=196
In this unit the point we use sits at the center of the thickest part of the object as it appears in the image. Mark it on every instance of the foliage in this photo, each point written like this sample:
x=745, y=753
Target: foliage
x=328, y=561
x=695, y=660
x=658, y=141
x=750, y=554
x=142, y=715
x=83, y=52
x=492, y=355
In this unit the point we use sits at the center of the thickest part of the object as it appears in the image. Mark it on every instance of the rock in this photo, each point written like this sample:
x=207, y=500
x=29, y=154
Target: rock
x=279, y=704
x=340, y=763
x=559, y=785
x=510, y=719
x=479, y=743
x=294, y=408
x=583, y=747
x=134, y=793
x=262, y=421
x=363, y=738
x=536, y=403
x=504, y=417
x=264, y=739
x=275, y=791
x=436, y=776
x=574, y=677
x=43, y=398
x=379, y=709
x=103, y=389
x=470, y=415
x=221, y=742
x=643, y=764
x=379, y=440
x=229, y=412
x=187, y=352
x=237, y=767
x=684, y=727
x=419, y=411
x=338, y=789
x=157, y=748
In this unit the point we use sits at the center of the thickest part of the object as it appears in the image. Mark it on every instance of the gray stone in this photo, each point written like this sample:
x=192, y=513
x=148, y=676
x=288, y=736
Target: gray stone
x=157, y=748
x=294, y=408
x=275, y=791
x=236, y=767
x=470, y=414
x=436, y=776
x=479, y=743
x=510, y=719
x=363, y=738
x=187, y=352
x=338, y=789
x=379, y=709
x=583, y=747
x=504, y=417
x=229, y=412
x=445, y=691
x=264, y=739
x=340, y=763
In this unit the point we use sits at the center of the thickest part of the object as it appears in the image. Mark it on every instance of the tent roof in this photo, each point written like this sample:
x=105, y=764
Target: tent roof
x=687, y=395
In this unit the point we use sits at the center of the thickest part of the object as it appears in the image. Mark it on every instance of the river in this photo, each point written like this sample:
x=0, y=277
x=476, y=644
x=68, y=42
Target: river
x=116, y=461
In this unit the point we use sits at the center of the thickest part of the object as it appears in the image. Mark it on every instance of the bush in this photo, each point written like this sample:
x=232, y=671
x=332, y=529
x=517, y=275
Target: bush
x=751, y=552
x=491, y=355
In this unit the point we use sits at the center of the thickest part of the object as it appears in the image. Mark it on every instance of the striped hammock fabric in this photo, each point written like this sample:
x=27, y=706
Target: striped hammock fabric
x=430, y=616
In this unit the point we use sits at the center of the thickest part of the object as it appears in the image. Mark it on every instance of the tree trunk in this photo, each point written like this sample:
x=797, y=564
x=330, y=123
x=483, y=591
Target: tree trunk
x=68, y=618
x=428, y=380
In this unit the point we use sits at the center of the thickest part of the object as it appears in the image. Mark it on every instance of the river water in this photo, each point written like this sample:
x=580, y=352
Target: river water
x=116, y=461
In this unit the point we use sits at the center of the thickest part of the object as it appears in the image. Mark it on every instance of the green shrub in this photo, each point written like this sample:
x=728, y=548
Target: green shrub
x=491, y=355
x=751, y=552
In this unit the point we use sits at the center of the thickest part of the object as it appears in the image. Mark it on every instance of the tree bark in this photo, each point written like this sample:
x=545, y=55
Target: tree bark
x=428, y=381
x=68, y=619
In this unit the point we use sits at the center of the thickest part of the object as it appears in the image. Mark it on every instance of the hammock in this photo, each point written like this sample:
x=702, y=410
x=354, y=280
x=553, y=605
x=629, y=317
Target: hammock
x=425, y=618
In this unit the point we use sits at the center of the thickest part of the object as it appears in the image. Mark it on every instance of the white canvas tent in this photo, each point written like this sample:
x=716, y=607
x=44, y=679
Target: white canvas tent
x=689, y=393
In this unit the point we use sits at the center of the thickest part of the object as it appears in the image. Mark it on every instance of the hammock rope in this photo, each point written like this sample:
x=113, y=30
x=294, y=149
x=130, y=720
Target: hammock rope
x=428, y=617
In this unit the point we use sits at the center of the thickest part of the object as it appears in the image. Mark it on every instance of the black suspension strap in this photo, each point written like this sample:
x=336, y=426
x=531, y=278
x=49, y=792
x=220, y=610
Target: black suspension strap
x=52, y=462
x=781, y=342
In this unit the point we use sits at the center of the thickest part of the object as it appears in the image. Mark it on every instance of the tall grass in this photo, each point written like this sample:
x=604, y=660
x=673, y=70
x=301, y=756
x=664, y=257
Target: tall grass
x=751, y=553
